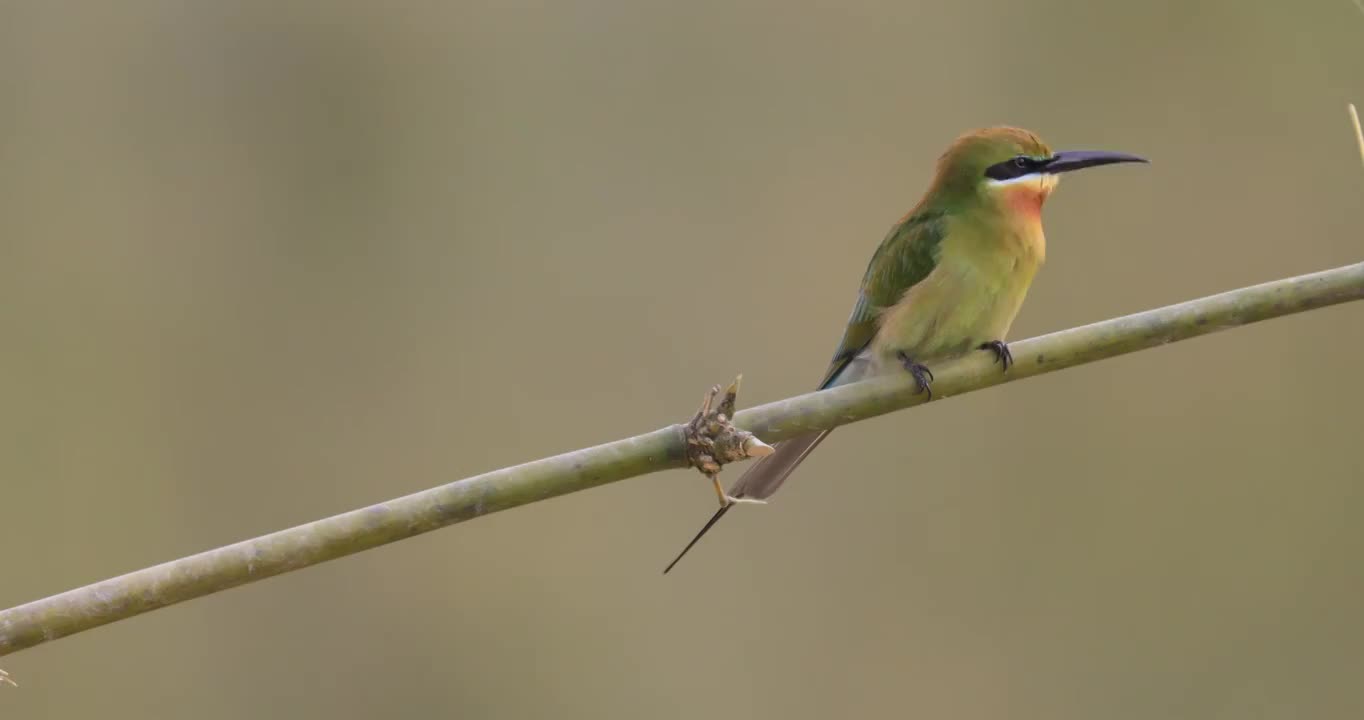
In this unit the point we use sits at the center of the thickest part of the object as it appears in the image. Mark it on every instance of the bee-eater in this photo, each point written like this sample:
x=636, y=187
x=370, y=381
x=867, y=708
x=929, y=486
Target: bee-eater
x=948, y=278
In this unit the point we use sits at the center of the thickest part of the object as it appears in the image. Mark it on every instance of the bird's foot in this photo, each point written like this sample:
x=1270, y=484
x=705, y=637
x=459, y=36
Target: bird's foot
x=5, y=679
x=1001, y=351
x=921, y=373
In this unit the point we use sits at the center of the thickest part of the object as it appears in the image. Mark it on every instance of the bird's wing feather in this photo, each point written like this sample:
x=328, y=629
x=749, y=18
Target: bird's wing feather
x=907, y=255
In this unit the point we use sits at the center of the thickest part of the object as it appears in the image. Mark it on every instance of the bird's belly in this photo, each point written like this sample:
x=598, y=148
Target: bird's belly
x=959, y=306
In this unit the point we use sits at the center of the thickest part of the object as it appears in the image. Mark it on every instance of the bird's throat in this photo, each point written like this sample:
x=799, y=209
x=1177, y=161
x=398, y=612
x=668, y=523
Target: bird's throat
x=1023, y=200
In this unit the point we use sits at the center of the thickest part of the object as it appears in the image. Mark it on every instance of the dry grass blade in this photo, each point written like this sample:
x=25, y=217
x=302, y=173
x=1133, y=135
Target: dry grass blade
x=1354, y=118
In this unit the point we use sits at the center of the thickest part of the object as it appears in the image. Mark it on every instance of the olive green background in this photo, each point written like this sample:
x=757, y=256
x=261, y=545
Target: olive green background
x=266, y=262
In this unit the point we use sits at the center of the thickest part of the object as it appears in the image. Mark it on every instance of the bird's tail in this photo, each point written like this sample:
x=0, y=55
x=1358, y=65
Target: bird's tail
x=762, y=479
x=704, y=529
x=767, y=474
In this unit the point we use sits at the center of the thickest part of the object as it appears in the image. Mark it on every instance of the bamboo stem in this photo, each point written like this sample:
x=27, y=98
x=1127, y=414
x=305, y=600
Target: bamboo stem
x=138, y=592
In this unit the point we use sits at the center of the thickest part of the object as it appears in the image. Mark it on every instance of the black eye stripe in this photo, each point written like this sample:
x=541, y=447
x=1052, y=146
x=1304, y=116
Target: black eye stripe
x=1017, y=166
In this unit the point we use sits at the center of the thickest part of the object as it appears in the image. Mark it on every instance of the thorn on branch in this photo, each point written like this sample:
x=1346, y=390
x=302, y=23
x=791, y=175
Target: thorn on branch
x=713, y=441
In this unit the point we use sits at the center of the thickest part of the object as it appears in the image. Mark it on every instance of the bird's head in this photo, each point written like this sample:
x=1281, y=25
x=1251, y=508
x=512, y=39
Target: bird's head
x=1010, y=168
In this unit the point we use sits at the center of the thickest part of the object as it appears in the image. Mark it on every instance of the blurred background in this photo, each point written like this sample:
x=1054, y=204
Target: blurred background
x=266, y=262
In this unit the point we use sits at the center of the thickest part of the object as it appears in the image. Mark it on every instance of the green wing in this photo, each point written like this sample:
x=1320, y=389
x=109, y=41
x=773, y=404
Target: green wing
x=907, y=255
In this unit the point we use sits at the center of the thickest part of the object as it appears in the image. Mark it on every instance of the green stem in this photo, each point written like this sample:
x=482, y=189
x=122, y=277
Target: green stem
x=215, y=570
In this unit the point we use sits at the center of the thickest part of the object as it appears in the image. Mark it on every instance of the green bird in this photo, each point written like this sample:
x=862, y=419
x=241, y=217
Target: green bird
x=947, y=279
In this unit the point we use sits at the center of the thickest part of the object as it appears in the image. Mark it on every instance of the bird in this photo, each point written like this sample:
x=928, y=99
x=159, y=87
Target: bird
x=948, y=278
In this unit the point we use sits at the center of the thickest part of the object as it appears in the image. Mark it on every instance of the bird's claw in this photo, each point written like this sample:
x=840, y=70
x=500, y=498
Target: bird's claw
x=919, y=371
x=1001, y=351
x=5, y=679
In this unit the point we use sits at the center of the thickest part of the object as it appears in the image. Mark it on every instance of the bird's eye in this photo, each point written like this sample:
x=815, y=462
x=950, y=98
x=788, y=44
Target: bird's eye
x=1022, y=162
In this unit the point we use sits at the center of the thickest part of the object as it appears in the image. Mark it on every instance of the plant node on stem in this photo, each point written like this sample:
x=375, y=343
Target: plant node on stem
x=713, y=441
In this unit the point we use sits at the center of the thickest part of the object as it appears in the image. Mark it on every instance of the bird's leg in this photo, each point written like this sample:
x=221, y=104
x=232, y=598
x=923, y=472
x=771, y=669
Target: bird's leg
x=1001, y=351
x=921, y=373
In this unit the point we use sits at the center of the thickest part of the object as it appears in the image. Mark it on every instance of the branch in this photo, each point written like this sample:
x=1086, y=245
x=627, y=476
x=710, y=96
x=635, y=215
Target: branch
x=215, y=570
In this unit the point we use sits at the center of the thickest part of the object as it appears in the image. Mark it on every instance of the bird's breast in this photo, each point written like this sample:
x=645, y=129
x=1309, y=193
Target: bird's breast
x=972, y=296
x=1025, y=240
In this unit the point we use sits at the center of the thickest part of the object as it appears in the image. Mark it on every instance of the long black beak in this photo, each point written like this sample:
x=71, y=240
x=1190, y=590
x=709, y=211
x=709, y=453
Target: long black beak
x=1068, y=160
